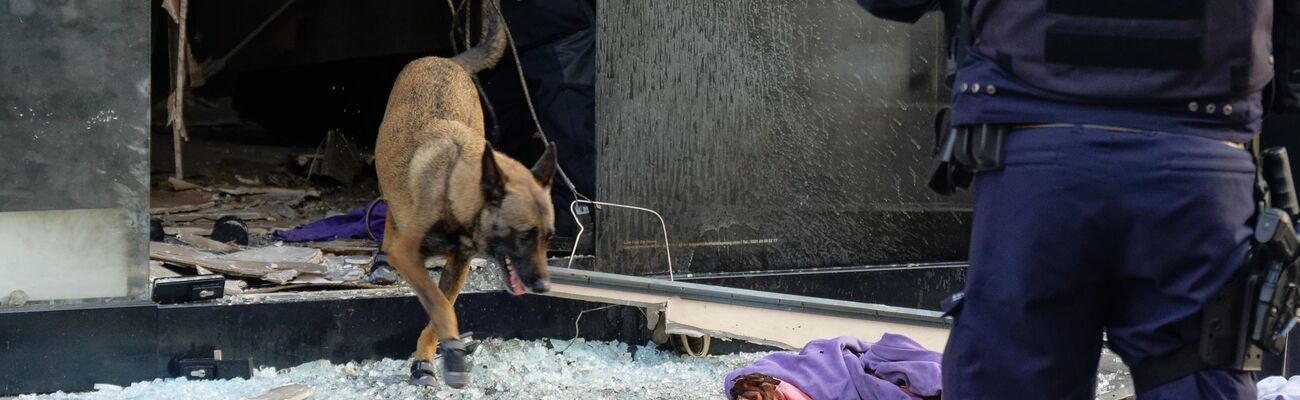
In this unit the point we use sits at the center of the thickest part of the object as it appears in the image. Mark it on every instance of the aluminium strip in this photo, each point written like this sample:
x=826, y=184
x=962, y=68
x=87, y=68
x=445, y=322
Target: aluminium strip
x=733, y=295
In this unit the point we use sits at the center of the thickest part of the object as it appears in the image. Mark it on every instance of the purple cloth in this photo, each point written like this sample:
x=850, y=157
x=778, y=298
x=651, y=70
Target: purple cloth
x=848, y=368
x=346, y=226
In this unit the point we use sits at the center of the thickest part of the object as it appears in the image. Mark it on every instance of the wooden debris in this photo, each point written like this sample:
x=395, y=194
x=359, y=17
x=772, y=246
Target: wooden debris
x=235, y=287
x=176, y=230
x=191, y=258
x=280, y=277
x=212, y=211
x=279, y=254
x=254, y=181
x=311, y=280
x=188, y=217
x=179, y=10
x=331, y=285
x=157, y=270
x=345, y=247
x=291, y=391
x=270, y=191
x=201, y=242
x=178, y=185
x=203, y=229
x=181, y=209
x=162, y=199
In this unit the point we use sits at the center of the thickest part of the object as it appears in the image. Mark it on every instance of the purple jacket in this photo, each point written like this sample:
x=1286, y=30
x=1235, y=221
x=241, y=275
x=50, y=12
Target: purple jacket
x=846, y=368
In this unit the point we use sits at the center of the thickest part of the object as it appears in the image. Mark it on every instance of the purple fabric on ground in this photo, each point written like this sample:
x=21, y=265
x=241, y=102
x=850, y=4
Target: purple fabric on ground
x=848, y=368
x=346, y=226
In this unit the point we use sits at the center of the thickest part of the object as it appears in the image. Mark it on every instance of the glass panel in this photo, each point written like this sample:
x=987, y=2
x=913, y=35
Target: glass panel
x=774, y=136
x=74, y=166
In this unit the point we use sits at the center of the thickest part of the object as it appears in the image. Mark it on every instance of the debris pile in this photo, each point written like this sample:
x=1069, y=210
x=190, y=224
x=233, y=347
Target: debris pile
x=228, y=231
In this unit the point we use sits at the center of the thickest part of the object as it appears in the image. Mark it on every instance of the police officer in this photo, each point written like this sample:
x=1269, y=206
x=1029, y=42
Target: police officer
x=1120, y=199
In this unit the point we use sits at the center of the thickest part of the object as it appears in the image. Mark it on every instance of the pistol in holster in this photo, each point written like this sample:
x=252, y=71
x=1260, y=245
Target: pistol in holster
x=1255, y=311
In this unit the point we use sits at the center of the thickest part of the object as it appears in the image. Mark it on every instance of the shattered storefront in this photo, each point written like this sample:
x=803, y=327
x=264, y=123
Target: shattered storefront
x=755, y=174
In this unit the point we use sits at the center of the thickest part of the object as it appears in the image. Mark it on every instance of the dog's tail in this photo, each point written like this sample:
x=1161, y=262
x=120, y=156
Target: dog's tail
x=493, y=43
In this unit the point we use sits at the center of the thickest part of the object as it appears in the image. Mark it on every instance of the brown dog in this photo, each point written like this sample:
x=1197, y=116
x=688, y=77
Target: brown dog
x=449, y=194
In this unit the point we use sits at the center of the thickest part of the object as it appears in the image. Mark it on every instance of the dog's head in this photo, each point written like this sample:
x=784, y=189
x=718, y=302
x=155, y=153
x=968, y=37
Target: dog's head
x=517, y=218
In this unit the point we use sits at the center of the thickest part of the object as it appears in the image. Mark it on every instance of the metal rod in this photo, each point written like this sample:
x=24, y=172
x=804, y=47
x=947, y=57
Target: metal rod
x=220, y=63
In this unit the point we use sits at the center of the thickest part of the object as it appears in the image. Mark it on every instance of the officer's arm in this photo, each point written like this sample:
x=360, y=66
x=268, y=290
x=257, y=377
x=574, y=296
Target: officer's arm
x=908, y=11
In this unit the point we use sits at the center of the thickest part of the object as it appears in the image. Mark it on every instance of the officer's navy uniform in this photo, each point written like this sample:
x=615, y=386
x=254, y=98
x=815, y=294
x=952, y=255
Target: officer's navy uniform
x=1126, y=195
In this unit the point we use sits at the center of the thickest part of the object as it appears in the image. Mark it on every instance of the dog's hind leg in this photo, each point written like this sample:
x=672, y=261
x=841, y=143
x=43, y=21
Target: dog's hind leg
x=404, y=252
x=422, y=372
x=453, y=278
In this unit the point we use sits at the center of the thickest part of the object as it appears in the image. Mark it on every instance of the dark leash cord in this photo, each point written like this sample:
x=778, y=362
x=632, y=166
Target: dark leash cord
x=370, y=209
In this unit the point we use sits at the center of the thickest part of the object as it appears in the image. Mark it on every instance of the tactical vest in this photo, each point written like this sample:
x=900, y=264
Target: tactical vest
x=1130, y=51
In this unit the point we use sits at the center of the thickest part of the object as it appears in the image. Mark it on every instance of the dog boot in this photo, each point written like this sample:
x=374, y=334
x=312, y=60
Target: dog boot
x=471, y=345
x=381, y=272
x=422, y=373
x=455, y=369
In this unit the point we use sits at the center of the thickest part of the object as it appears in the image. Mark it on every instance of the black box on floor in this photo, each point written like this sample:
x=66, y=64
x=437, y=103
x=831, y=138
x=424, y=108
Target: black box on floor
x=209, y=368
x=191, y=288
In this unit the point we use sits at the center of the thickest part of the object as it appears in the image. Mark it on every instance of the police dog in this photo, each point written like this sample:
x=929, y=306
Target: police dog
x=449, y=194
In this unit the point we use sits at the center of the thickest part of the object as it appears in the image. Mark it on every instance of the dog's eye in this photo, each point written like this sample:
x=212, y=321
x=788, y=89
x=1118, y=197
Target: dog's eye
x=528, y=236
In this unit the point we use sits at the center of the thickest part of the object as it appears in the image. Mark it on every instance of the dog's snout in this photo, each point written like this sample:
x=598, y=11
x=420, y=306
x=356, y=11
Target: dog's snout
x=540, y=285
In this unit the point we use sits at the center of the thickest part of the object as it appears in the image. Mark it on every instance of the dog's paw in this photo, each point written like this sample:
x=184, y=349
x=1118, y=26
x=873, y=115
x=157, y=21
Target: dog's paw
x=455, y=368
x=422, y=374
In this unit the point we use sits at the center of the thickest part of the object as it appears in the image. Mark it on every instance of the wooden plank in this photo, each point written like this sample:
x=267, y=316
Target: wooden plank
x=332, y=285
x=197, y=240
x=212, y=215
x=270, y=191
x=189, y=257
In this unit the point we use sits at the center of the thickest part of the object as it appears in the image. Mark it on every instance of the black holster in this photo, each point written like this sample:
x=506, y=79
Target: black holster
x=1254, y=312
x=962, y=151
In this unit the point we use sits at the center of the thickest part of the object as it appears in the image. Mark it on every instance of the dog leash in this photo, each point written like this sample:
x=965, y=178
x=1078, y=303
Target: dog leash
x=366, y=219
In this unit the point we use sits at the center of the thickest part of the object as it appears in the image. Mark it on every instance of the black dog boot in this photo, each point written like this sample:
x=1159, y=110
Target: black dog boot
x=422, y=373
x=455, y=369
x=381, y=272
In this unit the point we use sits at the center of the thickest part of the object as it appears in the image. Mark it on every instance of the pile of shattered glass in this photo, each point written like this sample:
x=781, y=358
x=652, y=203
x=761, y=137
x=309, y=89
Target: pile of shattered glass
x=504, y=369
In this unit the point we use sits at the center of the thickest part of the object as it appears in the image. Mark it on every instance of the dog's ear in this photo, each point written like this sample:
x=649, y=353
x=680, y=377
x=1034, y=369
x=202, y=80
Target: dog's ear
x=544, y=170
x=493, y=182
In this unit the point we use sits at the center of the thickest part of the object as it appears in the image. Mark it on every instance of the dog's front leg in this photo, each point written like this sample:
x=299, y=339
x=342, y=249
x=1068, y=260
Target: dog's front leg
x=442, y=330
x=450, y=282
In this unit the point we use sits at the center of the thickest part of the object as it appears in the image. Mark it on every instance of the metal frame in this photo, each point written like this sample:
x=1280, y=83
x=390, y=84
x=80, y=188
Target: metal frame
x=743, y=296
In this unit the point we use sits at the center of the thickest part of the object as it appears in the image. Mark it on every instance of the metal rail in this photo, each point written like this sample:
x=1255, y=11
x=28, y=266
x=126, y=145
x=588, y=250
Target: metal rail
x=744, y=296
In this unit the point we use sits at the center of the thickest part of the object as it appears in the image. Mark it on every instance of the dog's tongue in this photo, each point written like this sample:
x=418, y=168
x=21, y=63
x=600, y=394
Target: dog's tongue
x=516, y=285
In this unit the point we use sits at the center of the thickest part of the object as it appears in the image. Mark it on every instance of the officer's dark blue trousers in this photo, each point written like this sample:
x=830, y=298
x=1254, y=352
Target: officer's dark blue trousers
x=1090, y=230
